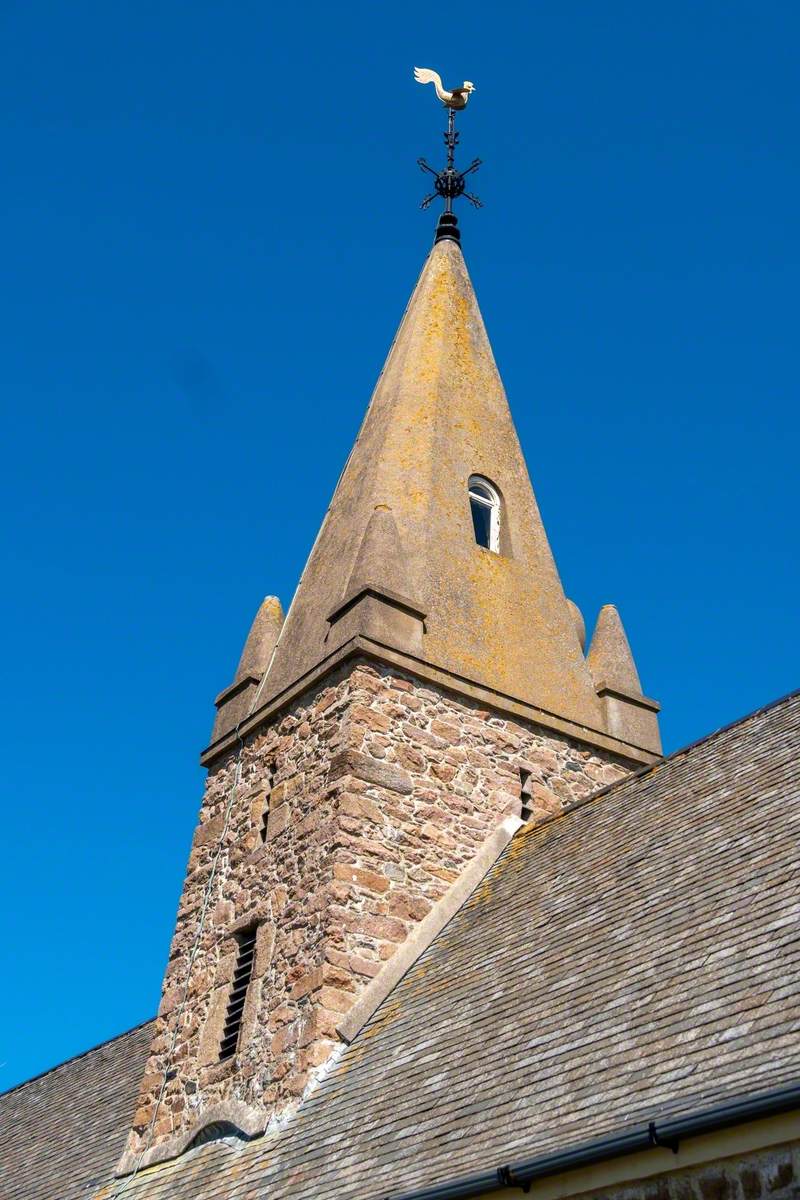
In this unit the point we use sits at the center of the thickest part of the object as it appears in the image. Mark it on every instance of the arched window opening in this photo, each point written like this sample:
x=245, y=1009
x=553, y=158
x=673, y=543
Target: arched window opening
x=484, y=503
x=215, y=1132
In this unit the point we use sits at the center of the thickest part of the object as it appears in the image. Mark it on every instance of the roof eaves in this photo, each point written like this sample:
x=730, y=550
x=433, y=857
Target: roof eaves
x=666, y=1133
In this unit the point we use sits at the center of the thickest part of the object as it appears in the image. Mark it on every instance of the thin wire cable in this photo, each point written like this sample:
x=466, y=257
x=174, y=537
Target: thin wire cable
x=237, y=777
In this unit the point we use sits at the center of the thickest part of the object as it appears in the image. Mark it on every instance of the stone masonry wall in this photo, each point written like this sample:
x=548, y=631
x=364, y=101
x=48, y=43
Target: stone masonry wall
x=772, y=1174
x=377, y=791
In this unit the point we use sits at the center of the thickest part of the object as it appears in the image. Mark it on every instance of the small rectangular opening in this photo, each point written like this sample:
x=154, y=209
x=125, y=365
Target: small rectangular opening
x=525, y=794
x=242, y=974
x=262, y=832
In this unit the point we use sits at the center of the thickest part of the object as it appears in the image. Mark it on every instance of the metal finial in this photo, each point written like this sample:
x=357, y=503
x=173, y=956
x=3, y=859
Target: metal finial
x=448, y=183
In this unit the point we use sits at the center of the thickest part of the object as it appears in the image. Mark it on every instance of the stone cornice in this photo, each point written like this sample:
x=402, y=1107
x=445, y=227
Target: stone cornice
x=607, y=689
x=368, y=648
x=380, y=593
x=235, y=688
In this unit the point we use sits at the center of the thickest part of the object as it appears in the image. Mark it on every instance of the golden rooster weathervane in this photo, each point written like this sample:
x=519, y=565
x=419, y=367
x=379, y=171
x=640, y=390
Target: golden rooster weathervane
x=456, y=99
x=449, y=183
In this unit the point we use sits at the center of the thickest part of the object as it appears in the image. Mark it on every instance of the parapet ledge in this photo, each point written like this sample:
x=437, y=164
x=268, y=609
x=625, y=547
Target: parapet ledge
x=376, y=611
x=233, y=689
x=378, y=592
x=609, y=689
x=629, y=715
x=389, y=654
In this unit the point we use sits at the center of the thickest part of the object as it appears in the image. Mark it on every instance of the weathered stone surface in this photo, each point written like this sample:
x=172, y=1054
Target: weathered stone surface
x=371, y=881
x=439, y=414
x=375, y=807
x=364, y=766
x=277, y=821
x=626, y=713
x=358, y=807
x=234, y=703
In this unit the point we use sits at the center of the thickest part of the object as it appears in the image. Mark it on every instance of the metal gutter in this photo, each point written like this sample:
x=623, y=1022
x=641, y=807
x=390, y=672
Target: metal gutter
x=664, y=1133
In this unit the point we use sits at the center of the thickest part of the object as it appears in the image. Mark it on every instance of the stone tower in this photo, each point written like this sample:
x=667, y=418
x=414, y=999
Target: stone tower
x=426, y=693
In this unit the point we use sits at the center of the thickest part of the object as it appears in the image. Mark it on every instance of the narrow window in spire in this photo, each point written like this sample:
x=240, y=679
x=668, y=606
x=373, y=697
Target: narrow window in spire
x=242, y=974
x=484, y=503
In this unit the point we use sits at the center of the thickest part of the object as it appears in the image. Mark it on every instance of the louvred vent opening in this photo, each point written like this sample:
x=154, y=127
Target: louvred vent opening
x=242, y=975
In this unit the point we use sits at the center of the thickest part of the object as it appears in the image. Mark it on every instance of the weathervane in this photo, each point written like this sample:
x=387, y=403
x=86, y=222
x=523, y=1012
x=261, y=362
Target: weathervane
x=449, y=183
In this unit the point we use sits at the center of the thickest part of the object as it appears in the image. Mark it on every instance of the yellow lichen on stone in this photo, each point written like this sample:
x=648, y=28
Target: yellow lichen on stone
x=438, y=416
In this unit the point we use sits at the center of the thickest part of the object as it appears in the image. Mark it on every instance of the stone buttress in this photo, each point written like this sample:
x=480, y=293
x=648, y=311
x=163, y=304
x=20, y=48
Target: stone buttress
x=422, y=690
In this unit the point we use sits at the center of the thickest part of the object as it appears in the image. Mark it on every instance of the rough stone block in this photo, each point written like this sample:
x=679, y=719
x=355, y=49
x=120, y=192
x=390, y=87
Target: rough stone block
x=309, y=982
x=360, y=806
x=361, y=766
x=285, y=1037
x=277, y=821
x=284, y=791
x=361, y=877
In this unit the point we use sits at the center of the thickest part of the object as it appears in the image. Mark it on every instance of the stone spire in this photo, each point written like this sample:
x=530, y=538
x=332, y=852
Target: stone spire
x=628, y=714
x=261, y=639
x=438, y=416
x=233, y=704
x=396, y=572
x=610, y=659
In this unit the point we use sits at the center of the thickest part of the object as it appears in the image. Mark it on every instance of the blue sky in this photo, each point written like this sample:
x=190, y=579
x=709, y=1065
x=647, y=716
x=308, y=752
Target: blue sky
x=211, y=230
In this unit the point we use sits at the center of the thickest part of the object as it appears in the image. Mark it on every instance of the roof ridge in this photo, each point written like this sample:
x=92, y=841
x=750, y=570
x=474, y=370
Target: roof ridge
x=641, y=772
x=74, y=1057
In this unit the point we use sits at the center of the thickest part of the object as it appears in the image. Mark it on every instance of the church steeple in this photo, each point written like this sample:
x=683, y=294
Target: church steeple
x=400, y=521
x=426, y=694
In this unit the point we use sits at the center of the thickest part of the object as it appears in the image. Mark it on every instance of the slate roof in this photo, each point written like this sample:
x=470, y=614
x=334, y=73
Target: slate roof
x=62, y=1133
x=636, y=957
